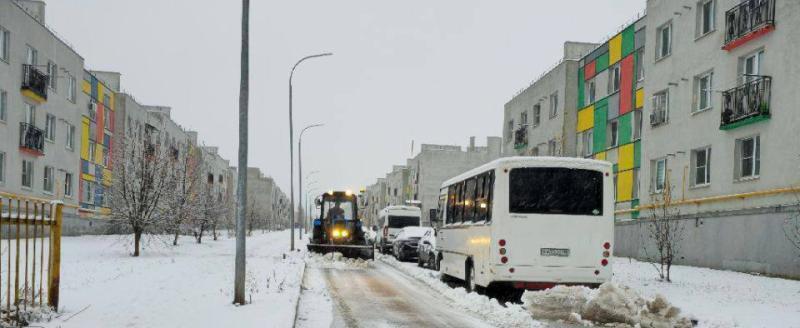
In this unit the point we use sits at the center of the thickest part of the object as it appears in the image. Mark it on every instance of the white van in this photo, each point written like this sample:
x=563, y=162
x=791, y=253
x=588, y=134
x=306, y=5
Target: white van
x=391, y=220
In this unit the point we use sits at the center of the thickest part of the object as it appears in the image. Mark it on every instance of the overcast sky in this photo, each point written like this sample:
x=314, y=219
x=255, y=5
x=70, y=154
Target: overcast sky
x=429, y=71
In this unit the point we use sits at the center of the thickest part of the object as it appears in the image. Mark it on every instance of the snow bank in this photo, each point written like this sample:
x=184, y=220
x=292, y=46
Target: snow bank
x=336, y=260
x=510, y=315
x=609, y=304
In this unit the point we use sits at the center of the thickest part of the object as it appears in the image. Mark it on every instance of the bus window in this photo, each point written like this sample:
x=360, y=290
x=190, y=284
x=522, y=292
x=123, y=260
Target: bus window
x=556, y=190
x=459, y=215
x=490, y=196
x=483, y=200
x=451, y=204
x=469, y=200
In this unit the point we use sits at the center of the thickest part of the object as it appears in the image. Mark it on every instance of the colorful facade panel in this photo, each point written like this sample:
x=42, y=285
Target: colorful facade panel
x=96, y=146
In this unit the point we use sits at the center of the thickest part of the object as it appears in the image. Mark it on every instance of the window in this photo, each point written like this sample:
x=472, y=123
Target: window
x=751, y=66
x=220, y=179
x=106, y=100
x=705, y=17
x=70, y=136
x=703, y=92
x=395, y=192
x=31, y=56
x=701, y=166
x=3, y=105
x=71, y=88
x=87, y=195
x=552, y=147
x=535, y=151
x=48, y=176
x=68, y=184
x=613, y=133
x=613, y=79
x=470, y=187
x=30, y=114
x=637, y=124
x=551, y=191
x=660, y=108
x=523, y=118
x=748, y=157
x=5, y=43
x=52, y=72
x=92, y=147
x=554, y=105
x=635, y=191
x=483, y=199
x=105, y=156
x=659, y=174
x=92, y=110
x=50, y=128
x=510, y=133
x=107, y=119
x=664, y=41
x=592, y=91
x=587, y=143
x=27, y=174
x=2, y=167
x=640, y=65
x=537, y=114
x=210, y=178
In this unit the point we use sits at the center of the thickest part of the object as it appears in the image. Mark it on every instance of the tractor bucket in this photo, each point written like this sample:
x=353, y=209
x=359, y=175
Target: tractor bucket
x=364, y=252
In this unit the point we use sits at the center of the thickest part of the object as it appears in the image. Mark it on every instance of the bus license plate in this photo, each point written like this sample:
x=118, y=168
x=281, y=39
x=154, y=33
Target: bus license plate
x=563, y=252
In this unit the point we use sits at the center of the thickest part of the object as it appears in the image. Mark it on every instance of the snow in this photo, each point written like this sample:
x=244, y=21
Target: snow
x=190, y=285
x=336, y=260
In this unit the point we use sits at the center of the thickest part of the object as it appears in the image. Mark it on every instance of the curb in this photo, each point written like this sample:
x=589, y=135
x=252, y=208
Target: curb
x=299, y=293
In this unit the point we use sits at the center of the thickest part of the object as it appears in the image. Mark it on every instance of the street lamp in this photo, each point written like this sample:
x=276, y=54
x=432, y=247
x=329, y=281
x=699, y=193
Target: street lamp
x=291, y=146
x=300, y=169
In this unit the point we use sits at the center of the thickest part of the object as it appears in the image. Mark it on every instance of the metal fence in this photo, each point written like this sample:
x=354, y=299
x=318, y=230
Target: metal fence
x=30, y=255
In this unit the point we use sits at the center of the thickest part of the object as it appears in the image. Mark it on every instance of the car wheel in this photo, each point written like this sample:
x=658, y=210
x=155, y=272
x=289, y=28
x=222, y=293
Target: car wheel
x=432, y=264
x=419, y=260
x=470, y=278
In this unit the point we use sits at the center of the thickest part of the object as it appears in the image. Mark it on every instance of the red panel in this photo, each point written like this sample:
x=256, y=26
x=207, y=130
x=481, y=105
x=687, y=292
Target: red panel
x=626, y=85
x=100, y=123
x=752, y=35
x=589, y=70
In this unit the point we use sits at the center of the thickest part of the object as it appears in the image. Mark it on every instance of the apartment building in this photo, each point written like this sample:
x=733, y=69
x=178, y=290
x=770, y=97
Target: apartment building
x=540, y=120
x=398, y=189
x=609, y=120
x=436, y=163
x=722, y=80
x=374, y=201
x=39, y=107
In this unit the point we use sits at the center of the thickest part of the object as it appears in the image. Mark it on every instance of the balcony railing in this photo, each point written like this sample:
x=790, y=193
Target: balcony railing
x=520, y=138
x=749, y=100
x=658, y=116
x=34, y=81
x=31, y=138
x=746, y=19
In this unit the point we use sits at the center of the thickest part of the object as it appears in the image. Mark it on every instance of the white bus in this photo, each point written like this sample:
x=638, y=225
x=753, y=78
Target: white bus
x=523, y=223
x=392, y=219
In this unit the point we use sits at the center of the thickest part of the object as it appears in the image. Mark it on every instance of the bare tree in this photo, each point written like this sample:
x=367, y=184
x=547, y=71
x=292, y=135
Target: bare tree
x=665, y=231
x=186, y=200
x=144, y=172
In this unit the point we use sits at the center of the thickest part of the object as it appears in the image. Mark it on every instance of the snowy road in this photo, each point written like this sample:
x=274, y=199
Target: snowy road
x=381, y=296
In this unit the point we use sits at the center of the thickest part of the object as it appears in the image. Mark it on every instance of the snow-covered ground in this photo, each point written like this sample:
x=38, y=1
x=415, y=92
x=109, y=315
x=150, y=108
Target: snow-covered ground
x=190, y=285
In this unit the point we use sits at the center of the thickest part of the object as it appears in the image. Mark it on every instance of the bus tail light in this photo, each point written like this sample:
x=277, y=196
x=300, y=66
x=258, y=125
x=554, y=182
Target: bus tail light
x=604, y=262
x=504, y=259
x=502, y=251
x=607, y=245
x=606, y=253
x=502, y=242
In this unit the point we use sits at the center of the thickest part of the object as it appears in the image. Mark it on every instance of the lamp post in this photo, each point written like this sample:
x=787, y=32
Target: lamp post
x=300, y=170
x=291, y=147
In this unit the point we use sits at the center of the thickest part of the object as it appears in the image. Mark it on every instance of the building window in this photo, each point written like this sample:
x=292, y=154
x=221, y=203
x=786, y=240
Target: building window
x=70, y=136
x=535, y=151
x=660, y=108
x=52, y=72
x=640, y=65
x=751, y=66
x=701, y=166
x=635, y=191
x=5, y=43
x=31, y=57
x=68, y=184
x=523, y=118
x=703, y=91
x=553, y=105
x=587, y=143
x=30, y=114
x=552, y=148
x=92, y=110
x=71, y=88
x=748, y=157
x=705, y=17
x=664, y=41
x=659, y=174
x=48, y=179
x=613, y=79
x=537, y=114
x=637, y=124
x=107, y=119
x=92, y=148
x=87, y=195
x=592, y=91
x=510, y=131
x=105, y=157
x=613, y=133
x=50, y=128
x=27, y=174
x=3, y=105
x=2, y=167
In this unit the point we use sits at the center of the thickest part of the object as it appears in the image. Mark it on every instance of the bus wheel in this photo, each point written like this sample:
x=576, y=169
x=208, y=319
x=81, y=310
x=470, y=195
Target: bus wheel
x=470, y=278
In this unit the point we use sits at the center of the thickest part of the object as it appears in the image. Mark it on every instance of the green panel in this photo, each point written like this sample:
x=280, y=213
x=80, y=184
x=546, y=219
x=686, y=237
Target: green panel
x=599, y=134
x=625, y=128
x=634, y=214
x=580, y=87
x=601, y=63
x=747, y=121
x=637, y=154
x=628, y=37
x=615, y=168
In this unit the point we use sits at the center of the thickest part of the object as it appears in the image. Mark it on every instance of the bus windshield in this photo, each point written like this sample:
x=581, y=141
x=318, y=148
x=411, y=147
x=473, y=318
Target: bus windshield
x=556, y=190
x=396, y=221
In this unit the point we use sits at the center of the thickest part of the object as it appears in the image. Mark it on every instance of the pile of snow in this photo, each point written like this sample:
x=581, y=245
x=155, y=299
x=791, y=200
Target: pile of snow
x=609, y=304
x=336, y=260
x=510, y=315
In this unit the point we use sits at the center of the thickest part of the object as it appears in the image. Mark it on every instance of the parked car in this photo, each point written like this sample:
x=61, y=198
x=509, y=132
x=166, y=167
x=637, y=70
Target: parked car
x=404, y=246
x=426, y=251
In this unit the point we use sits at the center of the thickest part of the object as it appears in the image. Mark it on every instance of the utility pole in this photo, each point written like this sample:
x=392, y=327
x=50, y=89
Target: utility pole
x=241, y=188
x=300, y=174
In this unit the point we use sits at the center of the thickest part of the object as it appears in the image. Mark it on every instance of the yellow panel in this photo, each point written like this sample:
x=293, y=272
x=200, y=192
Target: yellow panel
x=85, y=139
x=107, y=177
x=100, y=92
x=640, y=98
x=111, y=97
x=625, y=159
x=87, y=87
x=624, y=186
x=98, y=154
x=586, y=119
x=33, y=96
x=614, y=49
x=600, y=156
x=88, y=177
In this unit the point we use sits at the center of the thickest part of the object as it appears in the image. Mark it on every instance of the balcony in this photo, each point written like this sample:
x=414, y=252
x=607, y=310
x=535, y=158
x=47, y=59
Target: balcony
x=521, y=138
x=747, y=21
x=31, y=139
x=34, y=83
x=746, y=103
